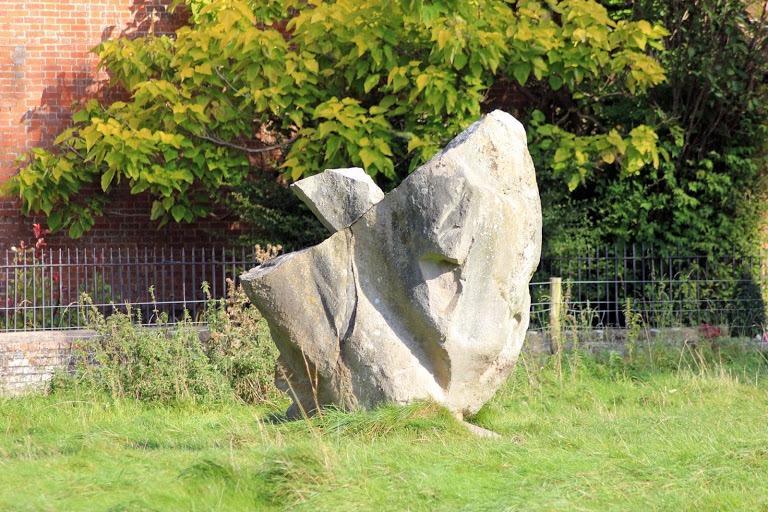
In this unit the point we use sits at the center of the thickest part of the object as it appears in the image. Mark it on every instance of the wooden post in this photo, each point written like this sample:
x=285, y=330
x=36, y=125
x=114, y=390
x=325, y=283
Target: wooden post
x=555, y=312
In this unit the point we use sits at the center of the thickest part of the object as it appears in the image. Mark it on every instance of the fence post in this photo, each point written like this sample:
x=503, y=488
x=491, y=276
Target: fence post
x=555, y=312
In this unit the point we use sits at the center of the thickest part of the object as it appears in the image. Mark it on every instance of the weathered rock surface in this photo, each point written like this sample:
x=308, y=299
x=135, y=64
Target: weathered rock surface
x=425, y=294
x=338, y=197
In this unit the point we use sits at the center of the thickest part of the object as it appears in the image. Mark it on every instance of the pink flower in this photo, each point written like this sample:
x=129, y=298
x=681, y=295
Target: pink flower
x=39, y=246
x=38, y=230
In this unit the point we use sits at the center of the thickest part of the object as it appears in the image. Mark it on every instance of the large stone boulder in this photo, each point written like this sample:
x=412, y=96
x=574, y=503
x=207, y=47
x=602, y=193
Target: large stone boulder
x=424, y=294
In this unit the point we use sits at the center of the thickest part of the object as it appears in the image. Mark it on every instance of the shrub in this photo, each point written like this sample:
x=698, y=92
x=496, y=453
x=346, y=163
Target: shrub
x=158, y=363
x=708, y=193
x=170, y=363
x=241, y=348
x=269, y=212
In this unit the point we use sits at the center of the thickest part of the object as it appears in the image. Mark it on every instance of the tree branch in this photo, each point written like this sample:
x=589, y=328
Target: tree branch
x=72, y=149
x=220, y=75
x=246, y=149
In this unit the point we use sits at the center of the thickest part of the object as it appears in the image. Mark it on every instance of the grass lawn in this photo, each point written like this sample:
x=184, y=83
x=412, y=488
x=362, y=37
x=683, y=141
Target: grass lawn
x=669, y=432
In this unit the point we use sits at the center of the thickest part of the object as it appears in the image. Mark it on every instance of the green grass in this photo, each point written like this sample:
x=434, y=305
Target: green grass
x=668, y=431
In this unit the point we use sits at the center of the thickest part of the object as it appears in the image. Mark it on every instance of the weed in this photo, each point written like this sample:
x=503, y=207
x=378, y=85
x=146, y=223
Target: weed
x=170, y=363
x=156, y=364
x=240, y=346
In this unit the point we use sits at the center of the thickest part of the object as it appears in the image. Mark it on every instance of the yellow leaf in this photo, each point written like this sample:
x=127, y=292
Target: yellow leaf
x=312, y=65
x=443, y=36
x=421, y=82
x=204, y=69
x=186, y=72
x=368, y=157
x=296, y=172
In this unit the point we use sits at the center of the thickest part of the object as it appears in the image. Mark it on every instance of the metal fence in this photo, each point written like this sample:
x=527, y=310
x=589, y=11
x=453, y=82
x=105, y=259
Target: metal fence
x=625, y=286
x=610, y=287
x=45, y=289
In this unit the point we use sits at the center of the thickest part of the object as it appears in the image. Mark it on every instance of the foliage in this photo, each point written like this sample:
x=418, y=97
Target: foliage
x=32, y=285
x=617, y=287
x=240, y=346
x=269, y=212
x=708, y=193
x=169, y=363
x=125, y=360
x=311, y=85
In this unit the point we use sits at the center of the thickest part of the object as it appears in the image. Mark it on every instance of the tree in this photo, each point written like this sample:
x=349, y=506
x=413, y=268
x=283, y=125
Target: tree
x=708, y=193
x=306, y=85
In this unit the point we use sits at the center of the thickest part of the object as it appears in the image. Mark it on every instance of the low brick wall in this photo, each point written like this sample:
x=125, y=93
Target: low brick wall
x=29, y=359
x=602, y=340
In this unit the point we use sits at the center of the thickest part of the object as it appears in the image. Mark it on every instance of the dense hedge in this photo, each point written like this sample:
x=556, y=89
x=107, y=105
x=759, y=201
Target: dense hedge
x=708, y=193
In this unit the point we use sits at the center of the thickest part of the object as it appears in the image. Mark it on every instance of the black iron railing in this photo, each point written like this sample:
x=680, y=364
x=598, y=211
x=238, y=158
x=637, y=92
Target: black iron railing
x=622, y=286
x=610, y=287
x=43, y=289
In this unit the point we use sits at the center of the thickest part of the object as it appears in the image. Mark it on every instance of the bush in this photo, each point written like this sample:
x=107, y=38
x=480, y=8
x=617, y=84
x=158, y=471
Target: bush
x=636, y=138
x=169, y=363
x=708, y=193
x=160, y=364
x=240, y=347
x=270, y=213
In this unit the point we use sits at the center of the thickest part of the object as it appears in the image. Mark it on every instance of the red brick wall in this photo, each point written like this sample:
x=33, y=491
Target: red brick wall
x=126, y=224
x=45, y=66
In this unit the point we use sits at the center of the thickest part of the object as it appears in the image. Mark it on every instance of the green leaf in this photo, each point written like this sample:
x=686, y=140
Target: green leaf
x=555, y=82
x=55, y=220
x=370, y=82
x=66, y=134
x=332, y=145
x=521, y=72
x=76, y=229
x=81, y=116
x=574, y=180
x=106, y=179
x=460, y=61
x=156, y=211
x=178, y=212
